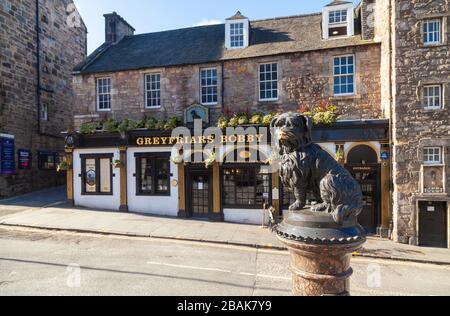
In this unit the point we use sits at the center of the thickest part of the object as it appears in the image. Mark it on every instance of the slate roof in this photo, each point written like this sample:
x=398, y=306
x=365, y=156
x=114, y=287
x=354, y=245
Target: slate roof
x=206, y=44
x=338, y=2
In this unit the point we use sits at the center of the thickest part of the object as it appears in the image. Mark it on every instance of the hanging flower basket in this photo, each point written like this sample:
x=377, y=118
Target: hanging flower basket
x=177, y=159
x=117, y=164
x=210, y=160
x=340, y=156
x=63, y=166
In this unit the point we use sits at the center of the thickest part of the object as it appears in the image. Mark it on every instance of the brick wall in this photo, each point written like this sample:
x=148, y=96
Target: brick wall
x=62, y=47
x=413, y=126
x=306, y=80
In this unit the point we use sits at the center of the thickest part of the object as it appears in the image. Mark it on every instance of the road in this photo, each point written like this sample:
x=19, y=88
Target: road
x=54, y=263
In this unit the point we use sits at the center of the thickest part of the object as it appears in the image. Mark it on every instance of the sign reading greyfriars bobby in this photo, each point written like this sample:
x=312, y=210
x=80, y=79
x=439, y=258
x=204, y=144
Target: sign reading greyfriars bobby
x=322, y=237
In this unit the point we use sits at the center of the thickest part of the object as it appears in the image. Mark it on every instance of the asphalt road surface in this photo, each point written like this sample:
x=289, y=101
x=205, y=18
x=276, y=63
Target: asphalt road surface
x=55, y=263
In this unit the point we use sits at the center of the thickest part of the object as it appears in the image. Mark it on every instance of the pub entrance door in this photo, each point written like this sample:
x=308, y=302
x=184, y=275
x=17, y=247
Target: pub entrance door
x=199, y=192
x=433, y=224
x=369, y=179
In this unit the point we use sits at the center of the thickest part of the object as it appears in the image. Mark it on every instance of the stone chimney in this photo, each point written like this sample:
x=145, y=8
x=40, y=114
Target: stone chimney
x=116, y=28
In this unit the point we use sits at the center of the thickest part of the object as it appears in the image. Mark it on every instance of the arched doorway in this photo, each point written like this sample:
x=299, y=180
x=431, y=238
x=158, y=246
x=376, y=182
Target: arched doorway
x=362, y=163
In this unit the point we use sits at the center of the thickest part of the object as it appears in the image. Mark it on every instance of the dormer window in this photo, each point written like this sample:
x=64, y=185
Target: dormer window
x=237, y=35
x=237, y=29
x=338, y=20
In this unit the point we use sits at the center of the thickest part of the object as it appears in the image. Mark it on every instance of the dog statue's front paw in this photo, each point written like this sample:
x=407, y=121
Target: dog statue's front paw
x=320, y=208
x=297, y=206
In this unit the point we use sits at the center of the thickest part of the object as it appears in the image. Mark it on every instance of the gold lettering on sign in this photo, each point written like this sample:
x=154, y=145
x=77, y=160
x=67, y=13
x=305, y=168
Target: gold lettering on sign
x=157, y=141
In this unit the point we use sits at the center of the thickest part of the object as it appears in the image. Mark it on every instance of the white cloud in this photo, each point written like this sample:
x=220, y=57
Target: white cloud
x=206, y=21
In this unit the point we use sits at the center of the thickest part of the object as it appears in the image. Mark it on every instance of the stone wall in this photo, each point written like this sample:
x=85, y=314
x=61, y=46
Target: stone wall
x=368, y=19
x=63, y=45
x=305, y=81
x=413, y=126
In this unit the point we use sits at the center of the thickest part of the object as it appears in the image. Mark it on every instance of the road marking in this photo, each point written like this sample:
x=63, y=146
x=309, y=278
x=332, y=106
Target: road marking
x=264, y=276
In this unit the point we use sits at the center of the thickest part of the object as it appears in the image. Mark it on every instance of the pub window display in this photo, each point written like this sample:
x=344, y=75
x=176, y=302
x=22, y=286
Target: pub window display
x=48, y=160
x=152, y=174
x=97, y=174
x=245, y=187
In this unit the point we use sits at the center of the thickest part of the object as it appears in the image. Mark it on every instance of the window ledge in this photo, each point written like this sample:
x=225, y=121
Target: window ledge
x=433, y=165
x=345, y=97
x=430, y=45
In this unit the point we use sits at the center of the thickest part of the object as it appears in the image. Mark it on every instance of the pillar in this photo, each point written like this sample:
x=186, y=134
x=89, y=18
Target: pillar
x=383, y=231
x=216, y=214
x=69, y=175
x=123, y=180
x=276, y=203
x=182, y=191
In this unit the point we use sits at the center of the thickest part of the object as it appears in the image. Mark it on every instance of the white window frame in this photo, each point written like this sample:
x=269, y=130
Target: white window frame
x=207, y=86
x=98, y=93
x=430, y=99
x=349, y=23
x=344, y=75
x=228, y=23
x=437, y=151
x=236, y=37
x=268, y=81
x=44, y=112
x=148, y=79
x=438, y=31
x=341, y=21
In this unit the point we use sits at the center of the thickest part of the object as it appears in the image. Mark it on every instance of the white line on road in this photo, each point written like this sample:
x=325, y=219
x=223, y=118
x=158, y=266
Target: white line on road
x=264, y=276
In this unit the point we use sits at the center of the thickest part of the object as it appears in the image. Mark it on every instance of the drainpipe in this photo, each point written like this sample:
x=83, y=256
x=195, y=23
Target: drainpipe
x=39, y=88
x=391, y=118
x=223, y=87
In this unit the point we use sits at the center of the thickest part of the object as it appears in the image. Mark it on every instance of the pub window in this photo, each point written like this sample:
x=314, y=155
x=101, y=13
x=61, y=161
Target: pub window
x=152, y=91
x=432, y=97
x=245, y=187
x=208, y=82
x=152, y=174
x=432, y=32
x=48, y=160
x=97, y=174
x=268, y=82
x=432, y=155
x=104, y=94
x=344, y=75
x=237, y=35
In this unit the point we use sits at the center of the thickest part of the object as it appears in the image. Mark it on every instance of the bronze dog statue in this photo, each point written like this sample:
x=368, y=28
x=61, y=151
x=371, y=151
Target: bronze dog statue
x=305, y=166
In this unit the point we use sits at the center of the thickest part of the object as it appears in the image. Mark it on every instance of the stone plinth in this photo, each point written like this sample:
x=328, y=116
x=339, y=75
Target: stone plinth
x=321, y=251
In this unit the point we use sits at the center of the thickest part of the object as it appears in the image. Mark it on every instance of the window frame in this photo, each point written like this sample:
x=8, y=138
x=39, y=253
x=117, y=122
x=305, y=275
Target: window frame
x=98, y=93
x=237, y=35
x=97, y=158
x=344, y=75
x=151, y=90
x=214, y=69
x=268, y=81
x=243, y=166
x=138, y=173
x=425, y=32
x=341, y=22
x=41, y=161
x=43, y=113
x=432, y=162
x=425, y=99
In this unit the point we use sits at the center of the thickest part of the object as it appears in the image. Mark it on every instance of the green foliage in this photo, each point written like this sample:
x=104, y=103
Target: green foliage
x=89, y=128
x=256, y=119
x=160, y=125
x=269, y=118
x=234, y=121
x=110, y=126
x=151, y=123
x=324, y=115
x=243, y=120
x=171, y=124
x=222, y=122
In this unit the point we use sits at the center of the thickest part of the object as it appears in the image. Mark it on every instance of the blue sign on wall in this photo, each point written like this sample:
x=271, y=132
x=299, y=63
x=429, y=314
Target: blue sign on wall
x=7, y=154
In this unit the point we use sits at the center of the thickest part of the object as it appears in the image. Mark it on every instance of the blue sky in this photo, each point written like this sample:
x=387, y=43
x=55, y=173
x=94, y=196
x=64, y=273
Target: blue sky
x=158, y=15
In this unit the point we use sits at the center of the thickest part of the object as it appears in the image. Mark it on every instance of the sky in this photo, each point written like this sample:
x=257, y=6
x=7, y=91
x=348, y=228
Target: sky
x=158, y=15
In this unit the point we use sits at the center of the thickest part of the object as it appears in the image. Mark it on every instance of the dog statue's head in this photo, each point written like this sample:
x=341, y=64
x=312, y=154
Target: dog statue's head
x=291, y=132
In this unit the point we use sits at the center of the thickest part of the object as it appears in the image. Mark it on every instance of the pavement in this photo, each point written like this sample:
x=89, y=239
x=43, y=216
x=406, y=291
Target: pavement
x=42, y=262
x=59, y=216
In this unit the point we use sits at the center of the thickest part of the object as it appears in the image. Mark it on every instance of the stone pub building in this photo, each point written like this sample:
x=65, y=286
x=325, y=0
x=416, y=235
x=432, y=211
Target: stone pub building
x=385, y=66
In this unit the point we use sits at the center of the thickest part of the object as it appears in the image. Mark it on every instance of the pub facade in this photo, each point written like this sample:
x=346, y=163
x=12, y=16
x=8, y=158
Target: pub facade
x=334, y=66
